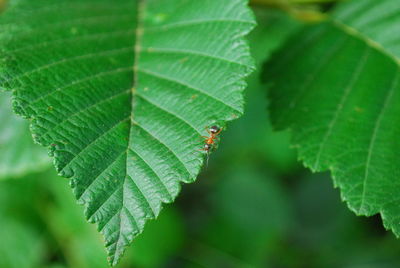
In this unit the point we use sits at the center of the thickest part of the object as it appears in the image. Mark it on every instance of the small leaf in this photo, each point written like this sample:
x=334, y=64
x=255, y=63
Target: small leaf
x=121, y=92
x=18, y=154
x=337, y=87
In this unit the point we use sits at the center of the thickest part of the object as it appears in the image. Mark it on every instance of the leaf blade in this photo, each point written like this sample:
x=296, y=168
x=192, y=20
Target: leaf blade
x=126, y=88
x=343, y=114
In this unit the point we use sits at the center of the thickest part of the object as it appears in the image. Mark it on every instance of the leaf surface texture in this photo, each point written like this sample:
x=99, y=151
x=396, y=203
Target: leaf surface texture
x=121, y=91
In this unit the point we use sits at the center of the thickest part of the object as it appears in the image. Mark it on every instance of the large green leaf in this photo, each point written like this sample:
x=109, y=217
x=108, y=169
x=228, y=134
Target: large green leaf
x=336, y=86
x=18, y=154
x=121, y=91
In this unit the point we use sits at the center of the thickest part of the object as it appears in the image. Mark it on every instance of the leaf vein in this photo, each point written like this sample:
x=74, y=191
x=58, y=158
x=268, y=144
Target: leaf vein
x=195, y=22
x=68, y=60
x=111, y=194
x=94, y=36
x=375, y=130
x=176, y=81
x=192, y=52
x=167, y=147
x=355, y=76
x=168, y=112
x=79, y=81
x=105, y=169
x=79, y=111
x=161, y=182
x=96, y=139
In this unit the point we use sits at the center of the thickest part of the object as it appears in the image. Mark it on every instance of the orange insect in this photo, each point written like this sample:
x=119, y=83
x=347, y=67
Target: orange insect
x=211, y=140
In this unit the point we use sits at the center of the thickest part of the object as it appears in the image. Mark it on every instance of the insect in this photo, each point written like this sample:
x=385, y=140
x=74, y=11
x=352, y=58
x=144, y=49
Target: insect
x=210, y=141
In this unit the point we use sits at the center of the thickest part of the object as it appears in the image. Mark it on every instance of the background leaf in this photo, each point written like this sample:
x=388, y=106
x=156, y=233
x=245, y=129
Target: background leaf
x=18, y=154
x=121, y=91
x=336, y=86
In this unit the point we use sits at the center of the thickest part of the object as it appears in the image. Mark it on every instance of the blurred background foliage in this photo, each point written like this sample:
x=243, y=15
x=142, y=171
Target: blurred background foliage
x=18, y=154
x=254, y=206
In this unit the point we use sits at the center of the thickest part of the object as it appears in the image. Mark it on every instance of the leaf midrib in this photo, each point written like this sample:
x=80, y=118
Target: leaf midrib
x=137, y=47
x=133, y=93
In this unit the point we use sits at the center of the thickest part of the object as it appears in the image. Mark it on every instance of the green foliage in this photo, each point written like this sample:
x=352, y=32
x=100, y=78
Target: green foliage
x=336, y=86
x=18, y=154
x=121, y=91
x=19, y=239
x=44, y=228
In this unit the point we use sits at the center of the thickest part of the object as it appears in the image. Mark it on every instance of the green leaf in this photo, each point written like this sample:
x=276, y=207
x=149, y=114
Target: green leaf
x=337, y=87
x=18, y=154
x=121, y=92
